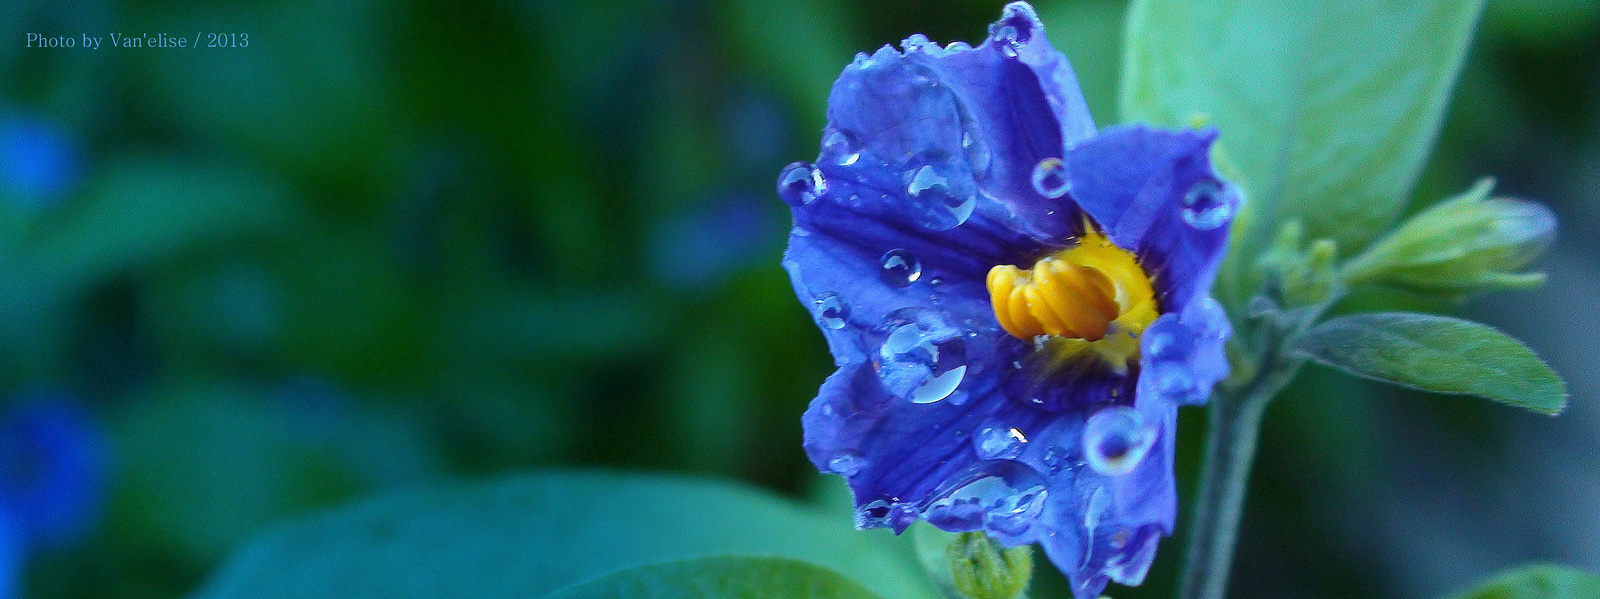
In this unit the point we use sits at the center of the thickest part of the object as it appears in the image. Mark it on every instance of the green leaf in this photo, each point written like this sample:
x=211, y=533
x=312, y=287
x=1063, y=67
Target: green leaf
x=143, y=210
x=526, y=535
x=1439, y=354
x=1544, y=581
x=720, y=577
x=1328, y=108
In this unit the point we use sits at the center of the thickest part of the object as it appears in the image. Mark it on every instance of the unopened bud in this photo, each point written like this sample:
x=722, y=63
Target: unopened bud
x=1470, y=242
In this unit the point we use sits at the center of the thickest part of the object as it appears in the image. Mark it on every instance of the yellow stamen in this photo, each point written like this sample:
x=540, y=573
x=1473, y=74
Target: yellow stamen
x=1094, y=293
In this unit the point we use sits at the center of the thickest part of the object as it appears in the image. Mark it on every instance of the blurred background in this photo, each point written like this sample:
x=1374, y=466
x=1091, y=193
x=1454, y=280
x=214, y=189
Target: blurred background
x=393, y=242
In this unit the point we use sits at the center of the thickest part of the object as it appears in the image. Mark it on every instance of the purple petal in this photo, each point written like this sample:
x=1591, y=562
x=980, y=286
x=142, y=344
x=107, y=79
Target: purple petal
x=1154, y=192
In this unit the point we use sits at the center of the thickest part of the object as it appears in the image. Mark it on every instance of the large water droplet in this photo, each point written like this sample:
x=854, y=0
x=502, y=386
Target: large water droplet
x=1002, y=495
x=1207, y=204
x=922, y=359
x=841, y=146
x=800, y=184
x=1116, y=439
x=1050, y=178
x=900, y=268
x=846, y=463
x=831, y=311
x=936, y=206
x=995, y=442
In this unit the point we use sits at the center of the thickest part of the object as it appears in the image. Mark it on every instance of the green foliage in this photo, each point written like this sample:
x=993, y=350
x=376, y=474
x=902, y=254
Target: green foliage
x=720, y=577
x=1298, y=274
x=1543, y=581
x=1467, y=243
x=1439, y=354
x=1328, y=109
x=206, y=464
x=525, y=535
x=141, y=211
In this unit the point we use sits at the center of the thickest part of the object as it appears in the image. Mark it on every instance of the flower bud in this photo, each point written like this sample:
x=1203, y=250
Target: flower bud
x=1467, y=243
x=982, y=569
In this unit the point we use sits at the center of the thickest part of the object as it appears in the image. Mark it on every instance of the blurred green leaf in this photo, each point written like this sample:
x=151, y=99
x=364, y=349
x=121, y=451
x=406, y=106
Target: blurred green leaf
x=1439, y=354
x=525, y=535
x=720, y=577
x=1328, y=108
x=142, y=210
x=802, y=45
x=301, y=83
x=205, y=464
x=1544, y=581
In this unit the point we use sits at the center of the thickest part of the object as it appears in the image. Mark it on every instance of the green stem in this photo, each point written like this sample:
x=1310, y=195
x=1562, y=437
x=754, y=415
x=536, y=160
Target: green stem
x=1234, y=421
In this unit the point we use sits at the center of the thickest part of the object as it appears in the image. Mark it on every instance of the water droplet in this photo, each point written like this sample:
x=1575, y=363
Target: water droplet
x=842, y=146
x=1172, y=380
x=1099, y=501
x=1207, y=204
x=873, y=514
x=831, y=311
x=1002, y=495
x=1116, y=439
x=1132, y=562
x=1006, y=38
x=900, y=268
x=972, y=144
x=800, y=184
x=922, y=359
x=1056, y=459
x=916, y=42
x=1050, y=178
x=937, y=206
x=846, y=463
x=1160, y=344
x=999, y=442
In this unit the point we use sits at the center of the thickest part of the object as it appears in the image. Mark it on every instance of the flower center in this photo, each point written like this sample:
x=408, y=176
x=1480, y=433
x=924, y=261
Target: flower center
x=1094, y=293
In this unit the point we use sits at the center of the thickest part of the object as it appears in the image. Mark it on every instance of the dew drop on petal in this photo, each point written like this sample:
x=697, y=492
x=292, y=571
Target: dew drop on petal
x=922, y=358
x=1207, y=205
x=936, y=206
x=800, y=184
x=846, y=463
x=831, y=311
x=1050, y=178
x=1131, y=563
x=1055, y=459
x=1116, y=439
x=1006, y=39
x=1098, y=503
x=841, y=147
x=1172, y=379
x=999, y=442
x=900, y=268
x=1002, y=495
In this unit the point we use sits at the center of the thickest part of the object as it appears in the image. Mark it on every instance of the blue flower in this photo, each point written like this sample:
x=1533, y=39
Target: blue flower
x=12, y=556
x=52, y=471
x=1017, y=303
x=38, y=162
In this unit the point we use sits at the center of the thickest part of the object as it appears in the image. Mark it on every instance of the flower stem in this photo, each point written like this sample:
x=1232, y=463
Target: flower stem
x=1234, y=421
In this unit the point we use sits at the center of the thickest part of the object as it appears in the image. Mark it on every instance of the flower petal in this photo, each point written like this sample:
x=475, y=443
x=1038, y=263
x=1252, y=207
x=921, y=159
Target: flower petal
x=1155, y=192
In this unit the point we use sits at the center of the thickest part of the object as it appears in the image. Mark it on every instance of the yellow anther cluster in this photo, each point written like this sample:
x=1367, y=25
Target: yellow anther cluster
x=1083, y=292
